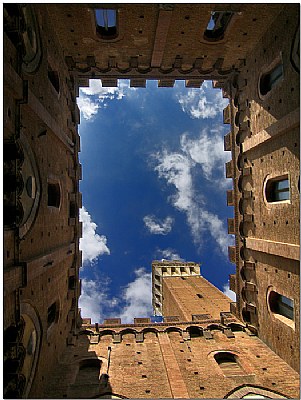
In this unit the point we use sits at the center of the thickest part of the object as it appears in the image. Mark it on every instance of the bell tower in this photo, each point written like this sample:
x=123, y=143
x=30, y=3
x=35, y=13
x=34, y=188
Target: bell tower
x=180, y=293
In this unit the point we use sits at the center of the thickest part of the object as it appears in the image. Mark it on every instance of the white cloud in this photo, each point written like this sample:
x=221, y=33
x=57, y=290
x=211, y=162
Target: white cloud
x=202, y=103
x=208, y=152
x=96, y=96
x=156, y=226
x=91, y=244
x=94, y=301
x=87, y=106
x=134, y=301
x=137, y=297
x=176, y=168
x=169, y=254
x=228, y=292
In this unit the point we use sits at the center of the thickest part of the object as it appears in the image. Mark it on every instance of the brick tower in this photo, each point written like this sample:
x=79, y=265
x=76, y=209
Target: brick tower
x=200, y=349
x=181, y=294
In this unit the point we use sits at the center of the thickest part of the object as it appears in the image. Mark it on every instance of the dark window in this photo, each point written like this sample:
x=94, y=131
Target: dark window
x=71, y=282
x=228, y=363
x=53, y=77
x=54, y=195
x=199, y=296
x=282, y=305
x=270, y=79
x=52, y=314
x=73, y=210
x=246, y=315
x=277, y=190
x=217, y=25
x=88, y=372
x=106, y=23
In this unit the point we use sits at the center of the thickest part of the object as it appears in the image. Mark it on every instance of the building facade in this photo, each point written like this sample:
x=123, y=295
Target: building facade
x=251, y=51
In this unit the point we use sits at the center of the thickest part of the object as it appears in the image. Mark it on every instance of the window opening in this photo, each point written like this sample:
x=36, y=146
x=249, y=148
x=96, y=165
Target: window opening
x=71, y=282
x=217, y=25
x=270, y=79
x=53, y=77
x=54, y=195
x=277, y=190
x=228, y=363
x=52, y=314
x=106, y=23
x=73, y=210
x=282, y=305
x=199, y=296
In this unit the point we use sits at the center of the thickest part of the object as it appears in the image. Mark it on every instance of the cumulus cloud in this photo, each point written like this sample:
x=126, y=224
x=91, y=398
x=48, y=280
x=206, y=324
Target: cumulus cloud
x=156, y=226
x=134, y=301
x=91, y=244
x=96, y=96
x=87, y=106
x=202, y=103
x=207, y=151
x=169, y=254
x=228, y=292
x=137, y=297
x=176, y=169
x=94, y=300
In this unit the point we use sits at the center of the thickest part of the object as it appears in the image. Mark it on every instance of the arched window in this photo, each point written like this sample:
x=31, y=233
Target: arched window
x=228, y=363
x=106, y=23
x=89, y=371
x=54, y=195
x=269, y=79
x=217, y=25
x=277, y=189
x=281, y=305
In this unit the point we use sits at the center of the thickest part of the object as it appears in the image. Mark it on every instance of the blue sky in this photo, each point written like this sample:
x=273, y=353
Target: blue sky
x=153, y=187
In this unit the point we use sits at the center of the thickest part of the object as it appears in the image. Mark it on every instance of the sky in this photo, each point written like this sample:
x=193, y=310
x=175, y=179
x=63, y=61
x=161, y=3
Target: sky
x=153, y=188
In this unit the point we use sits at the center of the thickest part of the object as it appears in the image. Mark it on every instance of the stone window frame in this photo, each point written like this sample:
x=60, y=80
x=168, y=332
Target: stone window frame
x=110, y=38
x=265, y=70
x=275, y=177
x=276, y=316
x=53, y=67
x=55, y=181
x=240, y=359
x=223, y=36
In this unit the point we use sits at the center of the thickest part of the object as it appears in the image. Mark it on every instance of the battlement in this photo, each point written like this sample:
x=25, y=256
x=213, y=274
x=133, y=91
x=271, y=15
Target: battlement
x=167, y=268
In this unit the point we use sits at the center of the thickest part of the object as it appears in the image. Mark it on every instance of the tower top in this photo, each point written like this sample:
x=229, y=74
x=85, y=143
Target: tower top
x=167, y=268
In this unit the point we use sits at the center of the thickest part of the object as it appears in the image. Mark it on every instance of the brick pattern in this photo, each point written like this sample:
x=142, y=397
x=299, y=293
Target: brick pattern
x=40, y=113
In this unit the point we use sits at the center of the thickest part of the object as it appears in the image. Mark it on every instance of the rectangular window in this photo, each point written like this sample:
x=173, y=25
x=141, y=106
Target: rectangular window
x=106, y=23
x=277, y=190
x=286, y=307
x=105, y=17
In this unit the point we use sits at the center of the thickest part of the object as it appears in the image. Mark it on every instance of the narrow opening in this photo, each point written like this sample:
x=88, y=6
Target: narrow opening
x=228, y=363
x=217, y=25
x=194, y=332
x=73, y=210
x=281, y=305
x=270, y=79
x=52, y=314
x=246, y=315
x=277, y=189
x=71, y=282
x=199, y=296
x=106, y=23
x=53, y=77
x=54, y=195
